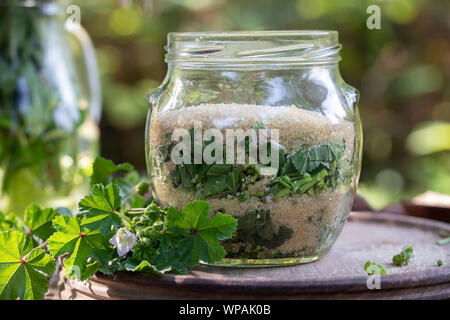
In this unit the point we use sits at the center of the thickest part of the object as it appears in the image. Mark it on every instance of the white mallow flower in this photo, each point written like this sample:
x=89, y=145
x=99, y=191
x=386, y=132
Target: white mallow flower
x=123, y=241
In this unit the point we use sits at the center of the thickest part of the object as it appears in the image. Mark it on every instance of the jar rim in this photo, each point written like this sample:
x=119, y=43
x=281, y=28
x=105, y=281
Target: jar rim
x=257, y=33
x=253, y=47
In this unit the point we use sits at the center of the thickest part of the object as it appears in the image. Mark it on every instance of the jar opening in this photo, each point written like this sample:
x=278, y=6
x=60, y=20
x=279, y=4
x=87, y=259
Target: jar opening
x=255, y=47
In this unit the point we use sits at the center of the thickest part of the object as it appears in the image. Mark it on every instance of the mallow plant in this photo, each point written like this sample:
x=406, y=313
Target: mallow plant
x=117, y=227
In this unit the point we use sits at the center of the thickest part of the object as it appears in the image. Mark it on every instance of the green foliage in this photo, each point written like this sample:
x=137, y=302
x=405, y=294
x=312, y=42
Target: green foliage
x=201, y=234
x=101, y=209
x=82, y=245
x=256, y=228
x=164, y=240
x=32, y=139
x=373, y=268
x=311, y=171
x=38, y=222
x=207, y=180
x=142, y=266
x=403, y=257
x=170, y=240
x=324, y=155
x=132, y=187
x=149, y=227
x=228, y=182
x=8, y=222
x=24, y=271
x=168, y=258
x=103, y=169
x=142, y=188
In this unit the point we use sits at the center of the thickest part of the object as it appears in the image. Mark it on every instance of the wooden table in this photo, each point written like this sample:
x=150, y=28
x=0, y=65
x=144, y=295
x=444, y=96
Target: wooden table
x=339, y=275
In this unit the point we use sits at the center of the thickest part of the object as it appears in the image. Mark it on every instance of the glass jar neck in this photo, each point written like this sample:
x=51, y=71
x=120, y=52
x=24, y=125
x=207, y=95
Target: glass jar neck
x=256, y=67
x=275, y=49
x=272, y=75
x=262, y=85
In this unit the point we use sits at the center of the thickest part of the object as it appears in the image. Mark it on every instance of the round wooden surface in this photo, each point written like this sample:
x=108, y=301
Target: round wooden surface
x=339, y=275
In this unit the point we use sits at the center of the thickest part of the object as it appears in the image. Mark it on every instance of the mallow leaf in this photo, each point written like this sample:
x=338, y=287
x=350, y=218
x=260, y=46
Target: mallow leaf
x=167, y=258
x=103, y=169
x=87, y=249
x=8, y=222
x=132, y=187
x=142, y=266
x=23, y=273
x=38, y=222
x=201, y=234
x=101, y=209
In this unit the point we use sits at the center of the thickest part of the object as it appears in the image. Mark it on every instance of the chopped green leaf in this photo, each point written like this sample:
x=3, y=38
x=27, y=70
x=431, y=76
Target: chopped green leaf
x=403, y=257
x=443, y=241
x=440, y=263
x=256, y=228
x=214, y=185
x=260, y=125
x=373, y=268
x=307, y=160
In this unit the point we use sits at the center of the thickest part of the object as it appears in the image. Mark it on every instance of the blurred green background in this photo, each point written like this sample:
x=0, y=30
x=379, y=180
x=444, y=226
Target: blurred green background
x=401, y=70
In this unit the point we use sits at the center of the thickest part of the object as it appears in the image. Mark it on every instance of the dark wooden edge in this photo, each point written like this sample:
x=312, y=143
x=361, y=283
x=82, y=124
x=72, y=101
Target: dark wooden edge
x=427, y=212
x=70, y=289
x=382, y=217
x=392, y=281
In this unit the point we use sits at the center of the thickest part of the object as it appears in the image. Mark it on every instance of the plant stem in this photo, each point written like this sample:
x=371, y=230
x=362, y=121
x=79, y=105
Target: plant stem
x=129, y=193
x=443, y=241
x=136, y=210
x=41, y=246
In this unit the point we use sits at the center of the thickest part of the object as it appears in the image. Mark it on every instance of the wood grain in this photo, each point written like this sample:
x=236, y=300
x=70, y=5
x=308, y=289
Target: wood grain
x=339, y=275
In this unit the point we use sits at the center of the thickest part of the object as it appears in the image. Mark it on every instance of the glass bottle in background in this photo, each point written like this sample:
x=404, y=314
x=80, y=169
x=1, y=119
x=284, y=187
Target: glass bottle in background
x=50, y=105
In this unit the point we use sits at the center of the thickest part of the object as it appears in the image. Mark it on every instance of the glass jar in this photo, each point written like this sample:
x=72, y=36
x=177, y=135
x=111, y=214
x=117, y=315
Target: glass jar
x=262, y=127
x=49, y=106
